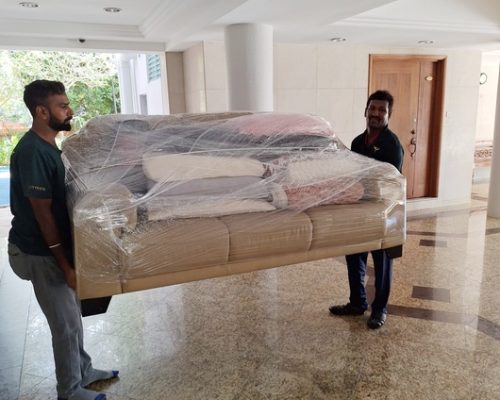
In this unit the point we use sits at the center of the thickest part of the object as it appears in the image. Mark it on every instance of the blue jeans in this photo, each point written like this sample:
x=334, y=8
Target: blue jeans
x=356, y=269
x=61, y=307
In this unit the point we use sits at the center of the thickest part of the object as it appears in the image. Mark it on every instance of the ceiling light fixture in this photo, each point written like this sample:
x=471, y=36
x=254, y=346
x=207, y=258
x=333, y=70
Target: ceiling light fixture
x=112, y=9
x=338, y=39
x=28, y=4
x=425, y=41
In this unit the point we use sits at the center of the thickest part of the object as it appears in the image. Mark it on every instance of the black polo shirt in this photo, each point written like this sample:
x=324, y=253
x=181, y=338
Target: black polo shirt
x=36, y=170
x=386, y=148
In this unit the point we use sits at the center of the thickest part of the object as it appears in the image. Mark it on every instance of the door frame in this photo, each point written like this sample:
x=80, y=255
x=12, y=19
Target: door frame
x=437, y=116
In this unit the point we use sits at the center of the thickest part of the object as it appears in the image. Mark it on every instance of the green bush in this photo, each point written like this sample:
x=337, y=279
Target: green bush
x=7, y=144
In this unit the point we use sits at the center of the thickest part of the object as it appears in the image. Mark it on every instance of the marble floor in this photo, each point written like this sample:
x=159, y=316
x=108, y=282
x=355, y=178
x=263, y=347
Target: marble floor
x=268, y=334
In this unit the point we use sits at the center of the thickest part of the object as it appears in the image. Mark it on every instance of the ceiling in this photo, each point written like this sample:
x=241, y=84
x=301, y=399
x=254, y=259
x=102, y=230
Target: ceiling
x=158, y=25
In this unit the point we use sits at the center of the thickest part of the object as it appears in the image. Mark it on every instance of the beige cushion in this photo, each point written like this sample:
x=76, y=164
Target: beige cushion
x=161, y=247
x=264, y=234
x=161, y=208
x=338, y=225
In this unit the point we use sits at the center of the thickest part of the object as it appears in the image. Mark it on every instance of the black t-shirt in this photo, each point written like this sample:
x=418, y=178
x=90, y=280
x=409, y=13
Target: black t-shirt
x=37, y=171
x=386, y=148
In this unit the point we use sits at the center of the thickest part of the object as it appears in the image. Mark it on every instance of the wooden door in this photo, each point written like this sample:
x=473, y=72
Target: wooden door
x=417, y=86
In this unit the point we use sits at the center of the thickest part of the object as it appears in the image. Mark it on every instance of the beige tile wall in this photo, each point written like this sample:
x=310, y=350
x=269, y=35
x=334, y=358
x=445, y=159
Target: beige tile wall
x=175, y=76
x=331, y=80
x=194, y=79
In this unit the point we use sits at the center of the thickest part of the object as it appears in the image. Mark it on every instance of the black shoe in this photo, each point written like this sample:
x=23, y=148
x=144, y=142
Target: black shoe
x=377, y=319
x=347, y=309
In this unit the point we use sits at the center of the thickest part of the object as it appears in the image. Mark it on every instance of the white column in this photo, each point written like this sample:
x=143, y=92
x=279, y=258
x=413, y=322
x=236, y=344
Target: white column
x=126, y=83
x=494, y=193
x=249, y=55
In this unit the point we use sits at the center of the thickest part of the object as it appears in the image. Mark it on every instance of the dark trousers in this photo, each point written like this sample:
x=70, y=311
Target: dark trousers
x=356, y=269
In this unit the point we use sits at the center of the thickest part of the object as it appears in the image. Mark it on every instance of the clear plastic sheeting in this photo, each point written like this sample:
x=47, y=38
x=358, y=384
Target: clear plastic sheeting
x=199, y=195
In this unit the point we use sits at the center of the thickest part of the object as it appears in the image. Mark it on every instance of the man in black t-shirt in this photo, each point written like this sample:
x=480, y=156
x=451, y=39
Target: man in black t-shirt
x=40, y=246
x=377, y=142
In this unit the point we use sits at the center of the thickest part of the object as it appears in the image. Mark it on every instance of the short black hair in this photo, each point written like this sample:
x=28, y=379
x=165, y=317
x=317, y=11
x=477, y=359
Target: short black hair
x=37, y=92
x=383, y=95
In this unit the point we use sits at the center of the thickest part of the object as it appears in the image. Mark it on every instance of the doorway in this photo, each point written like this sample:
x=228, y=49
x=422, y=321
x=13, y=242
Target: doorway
x=417, y=84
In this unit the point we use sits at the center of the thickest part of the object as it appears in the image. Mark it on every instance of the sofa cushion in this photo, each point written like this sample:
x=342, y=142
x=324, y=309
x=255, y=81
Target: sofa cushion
x=163, y=167
x=167, y=246
x=347, y=224
x=281, y=124
x=164, y=208
x=264, y=234
x=253, y=187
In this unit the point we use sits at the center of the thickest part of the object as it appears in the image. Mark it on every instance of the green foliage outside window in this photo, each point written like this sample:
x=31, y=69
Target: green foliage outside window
x=90, y=79
x=7, y=144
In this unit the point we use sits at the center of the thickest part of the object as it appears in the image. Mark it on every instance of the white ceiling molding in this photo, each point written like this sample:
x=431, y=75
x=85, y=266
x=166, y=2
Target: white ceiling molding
x=174, y=21
x=392, y=23
x=297, y=12
x=69, y=29
x=44, y=43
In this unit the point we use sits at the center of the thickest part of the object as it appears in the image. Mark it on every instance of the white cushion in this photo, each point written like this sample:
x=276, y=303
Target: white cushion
x=161, y=167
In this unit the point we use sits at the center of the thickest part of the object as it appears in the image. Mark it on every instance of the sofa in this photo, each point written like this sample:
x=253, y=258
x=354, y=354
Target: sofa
x=162, y=200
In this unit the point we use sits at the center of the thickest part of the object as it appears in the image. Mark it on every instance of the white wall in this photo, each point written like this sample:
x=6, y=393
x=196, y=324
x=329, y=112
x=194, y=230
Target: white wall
x=133, y=77
x=215, y=77
x=459, y=126
x=155, y=91
x=141, y=74
x=485, y=127
x=331, y=80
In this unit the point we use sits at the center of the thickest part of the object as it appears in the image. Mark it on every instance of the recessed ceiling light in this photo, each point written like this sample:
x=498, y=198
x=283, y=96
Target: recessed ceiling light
x=425, y=41
x=28, y=4
x=112, y=9
x=338, y=39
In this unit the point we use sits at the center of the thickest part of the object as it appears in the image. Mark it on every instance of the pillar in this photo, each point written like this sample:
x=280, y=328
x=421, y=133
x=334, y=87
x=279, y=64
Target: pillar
x=126, y=80
x=249, y=55
x=494, y=191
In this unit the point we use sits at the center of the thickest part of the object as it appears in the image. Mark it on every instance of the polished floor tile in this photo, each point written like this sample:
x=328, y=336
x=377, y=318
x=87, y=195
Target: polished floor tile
x=268, y=334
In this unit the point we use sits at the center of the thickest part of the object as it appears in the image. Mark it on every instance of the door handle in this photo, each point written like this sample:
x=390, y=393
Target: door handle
x=413, y=147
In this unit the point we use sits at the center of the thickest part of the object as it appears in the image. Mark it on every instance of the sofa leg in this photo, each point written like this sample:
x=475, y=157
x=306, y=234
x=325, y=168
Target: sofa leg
x=95, y=306
x=395, y=252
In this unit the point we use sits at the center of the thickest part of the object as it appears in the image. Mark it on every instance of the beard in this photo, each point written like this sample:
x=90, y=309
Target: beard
x=58, y=125
x=376, y=123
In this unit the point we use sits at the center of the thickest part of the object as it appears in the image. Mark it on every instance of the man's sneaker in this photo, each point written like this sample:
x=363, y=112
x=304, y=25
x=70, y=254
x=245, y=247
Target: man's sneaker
x=377, y=319
x=347, y=309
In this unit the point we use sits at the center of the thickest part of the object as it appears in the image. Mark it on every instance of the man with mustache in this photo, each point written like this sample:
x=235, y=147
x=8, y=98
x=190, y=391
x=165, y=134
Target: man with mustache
x=40, y=246
x=380, y=143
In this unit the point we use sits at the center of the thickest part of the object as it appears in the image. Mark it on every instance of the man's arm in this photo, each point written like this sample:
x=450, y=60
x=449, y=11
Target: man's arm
x=395, y=157
x=43, y=214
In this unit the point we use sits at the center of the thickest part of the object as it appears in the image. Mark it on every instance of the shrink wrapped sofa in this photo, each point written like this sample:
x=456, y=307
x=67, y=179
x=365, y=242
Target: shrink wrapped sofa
x=161, y=200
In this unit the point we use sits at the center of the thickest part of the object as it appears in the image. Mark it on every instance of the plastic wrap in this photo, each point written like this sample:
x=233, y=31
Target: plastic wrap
x=157, y=195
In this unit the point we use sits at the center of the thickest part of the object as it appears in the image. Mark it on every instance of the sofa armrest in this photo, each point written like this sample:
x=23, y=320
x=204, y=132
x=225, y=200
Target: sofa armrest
x=112, y=208
x=99, y=221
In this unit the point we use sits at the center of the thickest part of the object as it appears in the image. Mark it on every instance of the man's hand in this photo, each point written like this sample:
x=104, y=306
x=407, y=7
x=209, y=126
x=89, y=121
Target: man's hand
x=42, y=208
x=70, y=276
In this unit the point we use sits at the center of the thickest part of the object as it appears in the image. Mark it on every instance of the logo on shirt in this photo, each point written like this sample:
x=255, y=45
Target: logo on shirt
x=375, y=148
x=39, y=188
